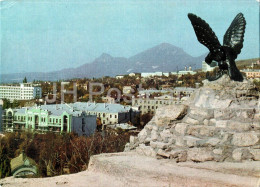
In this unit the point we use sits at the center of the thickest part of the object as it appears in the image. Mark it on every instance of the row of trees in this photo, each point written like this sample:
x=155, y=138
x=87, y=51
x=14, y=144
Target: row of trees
x=8, y=104
x=56, y=154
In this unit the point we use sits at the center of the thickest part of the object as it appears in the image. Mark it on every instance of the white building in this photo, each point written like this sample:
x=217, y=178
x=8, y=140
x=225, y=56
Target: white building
x=24, y=91
x=153, y=74
x=149, y=105
x=206, y=67
x=186, y=71
x=109, y=114
x=184, y=91
x=252, y=73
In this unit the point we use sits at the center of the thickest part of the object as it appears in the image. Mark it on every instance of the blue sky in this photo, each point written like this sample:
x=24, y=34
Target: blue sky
x=48, y=35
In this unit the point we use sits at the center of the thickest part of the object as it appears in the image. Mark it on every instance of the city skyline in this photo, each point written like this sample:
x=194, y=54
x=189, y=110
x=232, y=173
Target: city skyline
x=51, y=35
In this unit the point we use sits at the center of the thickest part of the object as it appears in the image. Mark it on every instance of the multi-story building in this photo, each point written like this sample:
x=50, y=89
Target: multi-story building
x=149, y=105
x=108, y=114
x=252, y=73
x=1, y=110
x=146, y=103
x=186, y=71
x=154, y=74
x=206, y=67
x=44, y=118
x=186, y=91
x=24, y=91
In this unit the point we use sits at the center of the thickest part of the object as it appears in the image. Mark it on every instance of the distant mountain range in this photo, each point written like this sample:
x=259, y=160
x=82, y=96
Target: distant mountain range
x=163, y=58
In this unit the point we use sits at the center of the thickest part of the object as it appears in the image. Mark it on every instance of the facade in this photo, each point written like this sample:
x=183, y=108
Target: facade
x=252, y=73
x=24, y=91
x=108, y=114
x=186, y=71
x=206, y=67
x=159, y=74
x=149, y=105
x=55, y=118
x=149, y=92
x=187, y=91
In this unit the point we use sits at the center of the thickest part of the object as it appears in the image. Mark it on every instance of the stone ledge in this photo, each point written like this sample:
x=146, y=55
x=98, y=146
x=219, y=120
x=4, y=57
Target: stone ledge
x=131, y=169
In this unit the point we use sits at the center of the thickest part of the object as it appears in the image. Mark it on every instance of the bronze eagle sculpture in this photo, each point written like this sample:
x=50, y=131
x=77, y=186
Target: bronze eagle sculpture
x=225, y=54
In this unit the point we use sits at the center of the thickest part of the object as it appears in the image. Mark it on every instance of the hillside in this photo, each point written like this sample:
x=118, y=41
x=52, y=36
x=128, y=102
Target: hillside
x=164, y=57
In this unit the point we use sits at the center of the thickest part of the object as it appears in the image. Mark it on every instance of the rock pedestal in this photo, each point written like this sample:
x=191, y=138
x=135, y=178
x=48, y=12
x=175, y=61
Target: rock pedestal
x=220, y=122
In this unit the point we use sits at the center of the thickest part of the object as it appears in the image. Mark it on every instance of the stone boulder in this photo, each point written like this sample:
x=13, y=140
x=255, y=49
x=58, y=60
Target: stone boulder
x=166, y=114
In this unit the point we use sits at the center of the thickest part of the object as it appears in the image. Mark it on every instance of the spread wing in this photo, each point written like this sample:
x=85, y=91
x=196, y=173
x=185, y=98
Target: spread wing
x=205, y=34
x=234, y=36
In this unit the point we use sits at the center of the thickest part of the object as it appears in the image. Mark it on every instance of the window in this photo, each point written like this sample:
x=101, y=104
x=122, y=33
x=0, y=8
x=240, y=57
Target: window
x=115, y=116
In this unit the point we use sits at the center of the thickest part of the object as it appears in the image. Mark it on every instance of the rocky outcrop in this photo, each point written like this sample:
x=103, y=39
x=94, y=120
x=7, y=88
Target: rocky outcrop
x=220, y=122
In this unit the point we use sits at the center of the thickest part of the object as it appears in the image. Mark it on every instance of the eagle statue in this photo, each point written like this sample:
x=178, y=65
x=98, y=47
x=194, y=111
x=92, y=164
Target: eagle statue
x=225, y=54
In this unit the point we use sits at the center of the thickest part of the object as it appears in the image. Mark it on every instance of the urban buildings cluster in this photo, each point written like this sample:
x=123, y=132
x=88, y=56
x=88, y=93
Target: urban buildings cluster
x=79, y=117
x=83, y=118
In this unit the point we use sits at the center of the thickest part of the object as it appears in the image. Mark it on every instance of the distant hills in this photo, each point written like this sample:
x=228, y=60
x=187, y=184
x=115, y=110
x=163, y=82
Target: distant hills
x=164, y=57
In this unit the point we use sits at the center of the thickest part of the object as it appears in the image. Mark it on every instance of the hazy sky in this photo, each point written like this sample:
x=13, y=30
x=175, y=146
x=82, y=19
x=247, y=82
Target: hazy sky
x=47, y=35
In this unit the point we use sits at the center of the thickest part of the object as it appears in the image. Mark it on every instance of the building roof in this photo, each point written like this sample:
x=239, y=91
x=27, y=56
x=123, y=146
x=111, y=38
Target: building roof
x=21, y=160
x=124, y=126
x=150, y=91
x=101, y=107
x=58, y=109
x=184, y=89
x=77, y=108
x=250, y=70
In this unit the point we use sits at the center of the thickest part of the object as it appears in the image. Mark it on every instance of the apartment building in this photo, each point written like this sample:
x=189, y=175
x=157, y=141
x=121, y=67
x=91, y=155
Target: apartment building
x=44, y=118
x=252, y=73
x=206, y=67
x=24, y=91
x=149, y=105
x=108, y=113
x=185, y=91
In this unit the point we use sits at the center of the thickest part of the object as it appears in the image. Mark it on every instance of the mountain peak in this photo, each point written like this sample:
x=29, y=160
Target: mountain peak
x=165, y=46
x=104, y=57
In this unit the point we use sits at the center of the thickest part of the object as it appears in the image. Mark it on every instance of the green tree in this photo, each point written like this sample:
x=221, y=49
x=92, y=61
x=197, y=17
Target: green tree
x=6, y=104
x=5, y=166
x=15, y=104
x=25, y=80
